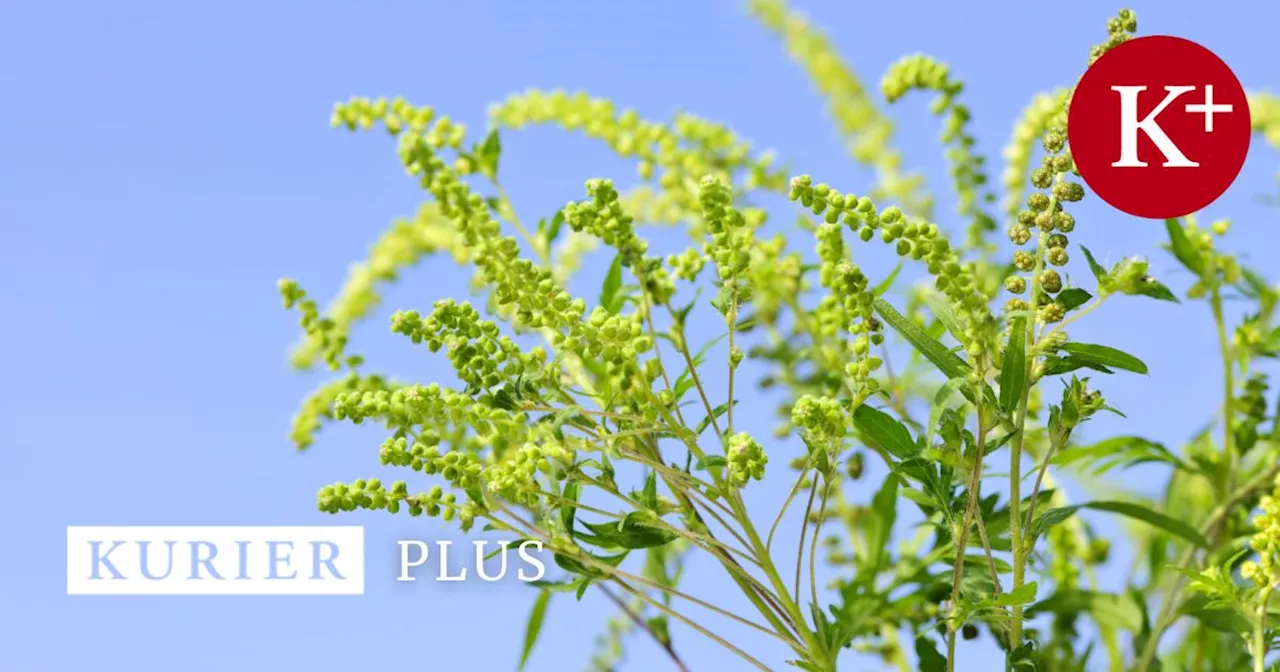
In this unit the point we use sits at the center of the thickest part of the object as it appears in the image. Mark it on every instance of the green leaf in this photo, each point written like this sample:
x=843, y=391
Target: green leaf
x=944, y=313
x=1098, y=271
x=880, y=526
x=650, y=494
x=1106, y=609
x=715, y=414
x=709, y=461
x=566, y=511
x=1182, y=248
x=885, y=284
x=1072, y=298
x=609, y=298
x=1152, y=288
x=569, y=564
x=1124, y=451
x=632, y=532
x=555, y=586
x=487, y=155
x=1105, y=355
x=553, y=229
x=1129, y=509
x=1227, y=620
x=1020, y=595
x=1059, y=365
x=503, y=548
x=882, y=430
x=927, y=653
x=534, y=627
x=1013, y=375
x=937, y=353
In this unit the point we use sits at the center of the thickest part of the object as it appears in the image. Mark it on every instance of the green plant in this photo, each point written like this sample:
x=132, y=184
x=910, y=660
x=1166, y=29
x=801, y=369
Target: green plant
x=604, y=441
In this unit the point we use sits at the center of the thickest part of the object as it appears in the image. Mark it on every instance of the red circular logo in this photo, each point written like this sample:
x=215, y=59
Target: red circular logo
x=1159, y=127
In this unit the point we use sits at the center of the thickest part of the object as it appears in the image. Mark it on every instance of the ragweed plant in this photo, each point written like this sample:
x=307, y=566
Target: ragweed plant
x=591, y=424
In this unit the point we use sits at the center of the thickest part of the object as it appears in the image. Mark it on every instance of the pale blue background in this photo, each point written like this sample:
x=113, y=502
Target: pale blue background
x=162, y=164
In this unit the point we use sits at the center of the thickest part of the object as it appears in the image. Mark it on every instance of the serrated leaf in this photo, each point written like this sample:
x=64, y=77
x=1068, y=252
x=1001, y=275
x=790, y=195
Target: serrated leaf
x=882, y=430
x=534, y=627
x=1013, y=375
x=1128, y=509
x=937, y=353
x=1182, y=248
x=1105, y=355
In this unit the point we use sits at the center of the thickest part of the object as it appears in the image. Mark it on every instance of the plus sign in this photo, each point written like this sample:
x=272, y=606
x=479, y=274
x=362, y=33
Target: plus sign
x=1207, y=108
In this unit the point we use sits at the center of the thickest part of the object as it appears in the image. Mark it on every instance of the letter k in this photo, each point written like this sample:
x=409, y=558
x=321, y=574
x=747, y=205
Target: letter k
x=100, y=560
x=1130, y=125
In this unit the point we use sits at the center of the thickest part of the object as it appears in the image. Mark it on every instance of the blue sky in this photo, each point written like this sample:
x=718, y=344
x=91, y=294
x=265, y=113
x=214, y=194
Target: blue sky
x=165, y=162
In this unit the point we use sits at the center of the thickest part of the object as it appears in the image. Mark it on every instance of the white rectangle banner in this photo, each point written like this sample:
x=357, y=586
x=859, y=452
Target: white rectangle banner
x=215, y=560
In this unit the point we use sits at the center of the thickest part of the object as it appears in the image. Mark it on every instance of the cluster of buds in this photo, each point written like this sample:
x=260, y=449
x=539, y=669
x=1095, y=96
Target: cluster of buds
x=915, y=239
x=1044, y=218
x=676, y=154
x=747, y=459
x=822, y=419
x=604, y=217
x=968, y=172
x=482, y=356
x=1265, y=571
x=373, y=495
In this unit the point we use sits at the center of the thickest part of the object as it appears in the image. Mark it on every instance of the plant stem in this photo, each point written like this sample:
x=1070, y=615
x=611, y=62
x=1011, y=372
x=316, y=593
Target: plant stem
x=1015, y=451
x=962, y=538
x=813, y=546
x=768, y=544
x=804, y=529
x=1228, y=382
x=1260, y=632
x=710, y=635
x=644, y=625
x=1035, y=490
x=732, y=319
x=775, y=579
